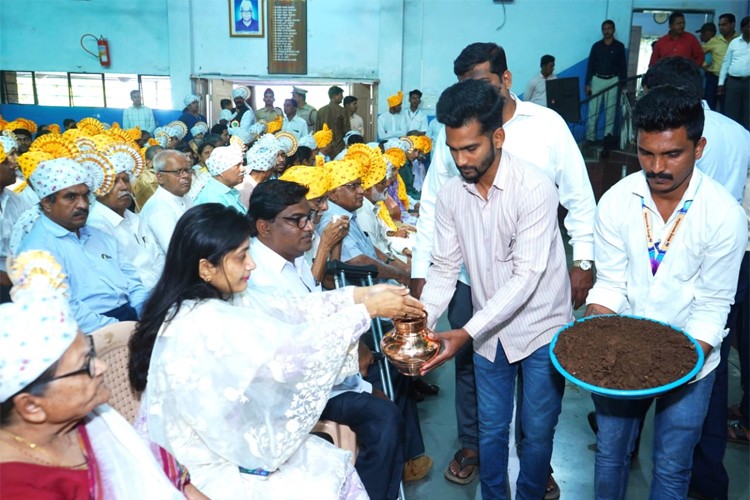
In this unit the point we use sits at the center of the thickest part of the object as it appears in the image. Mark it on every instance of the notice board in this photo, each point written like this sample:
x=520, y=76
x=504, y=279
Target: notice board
x=287, y=37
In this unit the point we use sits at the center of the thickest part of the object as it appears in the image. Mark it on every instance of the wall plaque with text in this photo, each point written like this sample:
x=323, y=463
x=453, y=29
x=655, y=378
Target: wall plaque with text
x=287, y=37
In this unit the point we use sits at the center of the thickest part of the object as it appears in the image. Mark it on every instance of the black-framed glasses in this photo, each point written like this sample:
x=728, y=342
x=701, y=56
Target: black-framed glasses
x=353, y=185
x=301, y=220
x=89, y=369
x=178, y=172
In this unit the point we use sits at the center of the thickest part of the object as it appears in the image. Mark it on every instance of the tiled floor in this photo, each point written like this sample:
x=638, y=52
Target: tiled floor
x=573, y=456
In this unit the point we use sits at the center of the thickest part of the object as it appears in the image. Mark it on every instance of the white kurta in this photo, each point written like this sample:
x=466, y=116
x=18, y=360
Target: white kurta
x=232, y=387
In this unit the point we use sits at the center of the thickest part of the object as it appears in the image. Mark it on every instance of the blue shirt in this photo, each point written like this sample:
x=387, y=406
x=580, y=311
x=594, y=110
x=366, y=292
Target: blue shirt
x=356, y=242
x=216, y=192
x=99, y=276
x=190, y=120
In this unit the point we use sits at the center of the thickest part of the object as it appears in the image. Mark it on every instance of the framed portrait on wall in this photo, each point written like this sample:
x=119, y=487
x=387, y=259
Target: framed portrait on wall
x=246, y=18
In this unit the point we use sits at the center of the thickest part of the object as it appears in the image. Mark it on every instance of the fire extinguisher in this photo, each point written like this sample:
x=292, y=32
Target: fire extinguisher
x=102, y=46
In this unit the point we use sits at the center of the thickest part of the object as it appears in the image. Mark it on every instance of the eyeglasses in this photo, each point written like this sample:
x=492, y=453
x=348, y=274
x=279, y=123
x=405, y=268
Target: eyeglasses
x=89, y=369
x=353, y=185
x=319, y=201
x=179, y=172
x=302, y=220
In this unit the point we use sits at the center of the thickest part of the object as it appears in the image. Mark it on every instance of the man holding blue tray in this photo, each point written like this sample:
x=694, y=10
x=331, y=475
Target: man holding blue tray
x=666, y=240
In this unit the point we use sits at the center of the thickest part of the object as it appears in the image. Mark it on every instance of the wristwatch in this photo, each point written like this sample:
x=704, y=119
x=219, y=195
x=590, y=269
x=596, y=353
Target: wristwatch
x=584, y=265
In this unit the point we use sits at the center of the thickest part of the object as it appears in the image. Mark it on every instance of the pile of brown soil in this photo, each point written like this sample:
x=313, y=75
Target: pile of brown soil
x=617, y=352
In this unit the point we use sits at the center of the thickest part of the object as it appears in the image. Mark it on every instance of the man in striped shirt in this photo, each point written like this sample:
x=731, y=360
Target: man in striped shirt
x=500, y=220
x=138, y=115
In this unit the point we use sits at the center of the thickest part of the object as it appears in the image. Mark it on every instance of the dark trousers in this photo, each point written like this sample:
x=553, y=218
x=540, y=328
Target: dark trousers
x=709, y=91
x=460, y=311
x=123, y=313
x=737, y=100
x=380, y=434
x=709, y=476
x=4, y=294
x=407, y=407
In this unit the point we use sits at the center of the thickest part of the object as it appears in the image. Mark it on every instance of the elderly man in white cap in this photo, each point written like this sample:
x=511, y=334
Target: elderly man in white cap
x=190, y=115
x=304, y=110
x=104, y=286
x=11, y=207
x=161, y=212
x=225, y=167
x=110, y=214
x=260, y=161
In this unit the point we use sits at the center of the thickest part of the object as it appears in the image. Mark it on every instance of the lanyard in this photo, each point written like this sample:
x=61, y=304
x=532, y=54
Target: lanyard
x=657, y=249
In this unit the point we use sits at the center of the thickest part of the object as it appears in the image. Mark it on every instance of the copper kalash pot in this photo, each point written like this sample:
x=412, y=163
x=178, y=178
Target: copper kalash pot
x=408, y=347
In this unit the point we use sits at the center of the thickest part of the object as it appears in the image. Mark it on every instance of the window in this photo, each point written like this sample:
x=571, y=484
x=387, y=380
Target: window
x=107, y=90
x=52, y=88
x=118, y=88
x=86, y=90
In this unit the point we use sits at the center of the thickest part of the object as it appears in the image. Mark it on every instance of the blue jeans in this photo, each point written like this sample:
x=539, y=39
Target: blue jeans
x=542, y=402
x=678, y=421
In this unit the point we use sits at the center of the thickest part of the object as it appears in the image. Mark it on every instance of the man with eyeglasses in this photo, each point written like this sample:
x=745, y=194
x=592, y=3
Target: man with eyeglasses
x=104, y=287
x=282, y=226
x=345, y=197
x=161, y=212
x=246, y=22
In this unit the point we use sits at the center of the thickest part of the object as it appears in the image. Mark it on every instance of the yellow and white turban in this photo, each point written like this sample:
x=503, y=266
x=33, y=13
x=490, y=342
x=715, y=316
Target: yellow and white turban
x=30, y=160
x=342, y=172
x=396, y=99
x=372, y=164
x=38, y=326
x=315, y=179
x=8, y=144
x=55, y=175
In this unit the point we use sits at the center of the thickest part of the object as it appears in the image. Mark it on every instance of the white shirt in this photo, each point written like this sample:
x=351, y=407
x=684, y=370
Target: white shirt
x=534, y=134
x=367, y=217
x=126, y=230
x=513, y=251
x=357, y=123
x=11, y=208
x=390, y=125
x=726, y=157
x=536, y=90
x=736, y=60
x=159, y=217
x=695, y=283
x=292, y=279
x=296, y=126
x=415, y=120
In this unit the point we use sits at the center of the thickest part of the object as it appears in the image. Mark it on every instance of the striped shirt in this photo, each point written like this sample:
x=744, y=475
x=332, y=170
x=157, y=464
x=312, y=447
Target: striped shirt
x=141, y=117
x=513, y=251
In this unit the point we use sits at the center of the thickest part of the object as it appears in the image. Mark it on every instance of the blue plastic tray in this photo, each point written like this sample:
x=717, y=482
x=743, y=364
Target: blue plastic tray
x=629, y=393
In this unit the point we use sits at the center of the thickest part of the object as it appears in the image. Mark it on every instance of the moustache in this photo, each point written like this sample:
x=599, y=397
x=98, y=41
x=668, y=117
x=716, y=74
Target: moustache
x=652, y=175
x=125, y=194
x=80, y=211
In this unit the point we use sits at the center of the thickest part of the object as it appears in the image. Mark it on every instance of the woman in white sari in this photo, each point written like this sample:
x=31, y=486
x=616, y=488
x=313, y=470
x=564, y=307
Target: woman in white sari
x=233, y=392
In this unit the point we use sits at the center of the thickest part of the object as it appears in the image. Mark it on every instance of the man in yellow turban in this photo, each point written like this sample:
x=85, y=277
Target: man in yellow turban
x=393, y=123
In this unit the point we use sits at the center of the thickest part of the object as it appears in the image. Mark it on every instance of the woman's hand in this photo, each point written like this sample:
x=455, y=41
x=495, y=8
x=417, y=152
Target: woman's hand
x=388, y=301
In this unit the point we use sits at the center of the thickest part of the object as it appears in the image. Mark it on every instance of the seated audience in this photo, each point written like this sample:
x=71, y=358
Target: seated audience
x=223, y=383
x=226, y=172
x=11, y=208
x=345, y=197
x=104, y=286
x=162, y=211
x=146, y=184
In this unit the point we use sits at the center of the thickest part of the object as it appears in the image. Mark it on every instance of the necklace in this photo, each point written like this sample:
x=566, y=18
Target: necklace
x=39, y=448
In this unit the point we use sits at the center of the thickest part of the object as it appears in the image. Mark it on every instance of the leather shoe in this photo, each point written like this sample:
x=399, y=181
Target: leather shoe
x=417, y=468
